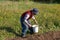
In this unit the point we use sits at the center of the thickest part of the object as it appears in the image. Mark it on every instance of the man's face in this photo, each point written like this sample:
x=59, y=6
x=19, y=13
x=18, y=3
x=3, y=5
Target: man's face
x=33, y=13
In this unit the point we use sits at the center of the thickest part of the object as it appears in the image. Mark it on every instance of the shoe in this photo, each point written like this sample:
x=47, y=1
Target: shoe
x=23, y=36
x=31, y=33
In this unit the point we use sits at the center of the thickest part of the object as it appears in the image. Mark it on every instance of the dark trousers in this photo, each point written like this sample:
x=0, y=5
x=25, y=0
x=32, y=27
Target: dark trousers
x=25, y=28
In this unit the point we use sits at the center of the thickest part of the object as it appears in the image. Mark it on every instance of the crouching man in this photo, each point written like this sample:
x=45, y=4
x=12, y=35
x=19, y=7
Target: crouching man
x=25, y=21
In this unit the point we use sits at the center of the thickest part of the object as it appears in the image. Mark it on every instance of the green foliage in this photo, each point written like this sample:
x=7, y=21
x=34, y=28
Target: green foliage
x=10, y=12
x=48, y=1
x=41, y=1
x=15, y=0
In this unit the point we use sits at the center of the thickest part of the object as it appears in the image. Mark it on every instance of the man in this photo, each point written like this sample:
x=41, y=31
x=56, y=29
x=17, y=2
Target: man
x=25, y=21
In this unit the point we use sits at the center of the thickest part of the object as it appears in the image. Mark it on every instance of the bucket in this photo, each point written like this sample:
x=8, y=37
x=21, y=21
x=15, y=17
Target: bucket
x=35, y=28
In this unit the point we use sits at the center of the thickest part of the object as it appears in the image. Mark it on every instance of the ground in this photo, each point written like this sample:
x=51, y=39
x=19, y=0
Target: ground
x=46, y=36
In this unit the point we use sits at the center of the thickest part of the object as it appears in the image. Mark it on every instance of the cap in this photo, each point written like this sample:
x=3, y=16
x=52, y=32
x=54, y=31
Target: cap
x=35, y=10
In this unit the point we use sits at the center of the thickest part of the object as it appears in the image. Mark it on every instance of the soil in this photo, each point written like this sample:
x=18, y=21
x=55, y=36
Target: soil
x=45, y=36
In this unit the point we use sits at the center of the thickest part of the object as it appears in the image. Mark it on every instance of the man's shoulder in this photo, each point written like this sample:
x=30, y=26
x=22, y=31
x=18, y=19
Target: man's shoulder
x=28, y=11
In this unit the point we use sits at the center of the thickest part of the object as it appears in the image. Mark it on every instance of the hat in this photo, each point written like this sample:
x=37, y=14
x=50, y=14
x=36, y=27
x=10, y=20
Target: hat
x=35, y=10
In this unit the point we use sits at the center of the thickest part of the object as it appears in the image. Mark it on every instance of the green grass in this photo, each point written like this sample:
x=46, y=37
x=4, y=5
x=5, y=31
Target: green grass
x=10, y=12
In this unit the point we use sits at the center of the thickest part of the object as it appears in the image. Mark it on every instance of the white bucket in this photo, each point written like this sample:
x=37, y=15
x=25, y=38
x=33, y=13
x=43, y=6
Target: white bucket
x=35, y=28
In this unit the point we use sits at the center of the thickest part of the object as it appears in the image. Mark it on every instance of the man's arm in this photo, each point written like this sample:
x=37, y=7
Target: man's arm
x=34, y=20
x=25, y=21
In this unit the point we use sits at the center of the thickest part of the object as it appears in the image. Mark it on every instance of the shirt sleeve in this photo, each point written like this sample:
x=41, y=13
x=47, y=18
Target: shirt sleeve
x=33, y=17
x=26, y=16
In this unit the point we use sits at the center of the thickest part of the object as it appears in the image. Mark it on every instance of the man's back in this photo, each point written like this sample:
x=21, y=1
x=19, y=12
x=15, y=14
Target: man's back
x=26, y=14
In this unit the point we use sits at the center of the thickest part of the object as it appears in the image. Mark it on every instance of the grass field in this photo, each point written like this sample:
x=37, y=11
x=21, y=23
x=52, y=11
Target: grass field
x=10, y=12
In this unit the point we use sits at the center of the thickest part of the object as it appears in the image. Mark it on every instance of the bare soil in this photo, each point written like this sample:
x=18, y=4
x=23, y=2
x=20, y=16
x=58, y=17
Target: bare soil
x=45, y=36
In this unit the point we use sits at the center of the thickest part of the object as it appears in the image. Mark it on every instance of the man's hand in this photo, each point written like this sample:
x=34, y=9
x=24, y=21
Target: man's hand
x=29, y=25
x=34, y=20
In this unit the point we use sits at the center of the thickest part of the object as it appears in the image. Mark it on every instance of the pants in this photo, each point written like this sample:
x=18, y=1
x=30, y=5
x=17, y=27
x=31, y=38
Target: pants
x=25, y=28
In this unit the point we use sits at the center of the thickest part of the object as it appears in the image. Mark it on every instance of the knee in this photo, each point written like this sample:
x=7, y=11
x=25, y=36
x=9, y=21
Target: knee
x=25, y=28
